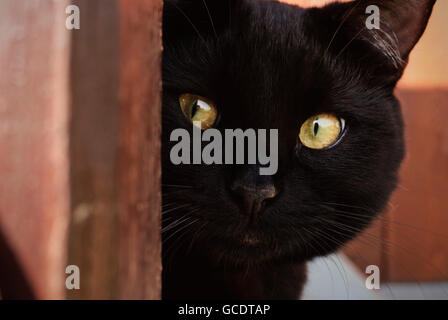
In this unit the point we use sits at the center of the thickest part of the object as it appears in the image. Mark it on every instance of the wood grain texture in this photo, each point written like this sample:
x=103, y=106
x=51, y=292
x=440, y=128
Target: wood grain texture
x=93, y=149
x=369, y=249
x=116, y=123
x=411, y=242
x=418, y=236
x=34, y=107
x=139, y=149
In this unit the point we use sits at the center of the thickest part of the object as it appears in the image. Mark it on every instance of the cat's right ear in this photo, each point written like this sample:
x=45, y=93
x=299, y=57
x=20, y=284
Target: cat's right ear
x=197, y=18
x=399, y=25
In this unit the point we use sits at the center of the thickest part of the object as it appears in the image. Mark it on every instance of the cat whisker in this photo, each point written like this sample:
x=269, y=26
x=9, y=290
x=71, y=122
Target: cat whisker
x=174, y=209
x=380, y=242
x=175, y=223
x=189, y=20
x=324, y=249
x=361, y=257
x=386, y=251
x=196, y=236
x=387, y=220
x=344, y=20
x=348, y=206
x=211, y=19
x=165, y=205
x=350, y=42
x=169, y=215
x=174, y=244
x=380, y=217
x=340, y=243
x=183, y=227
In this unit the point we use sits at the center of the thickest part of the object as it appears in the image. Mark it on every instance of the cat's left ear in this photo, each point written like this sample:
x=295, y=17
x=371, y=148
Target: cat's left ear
x=404, y=19
x=392, y=27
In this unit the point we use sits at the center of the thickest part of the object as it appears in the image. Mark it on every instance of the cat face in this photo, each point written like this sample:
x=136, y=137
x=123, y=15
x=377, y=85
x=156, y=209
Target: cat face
x=325, y=86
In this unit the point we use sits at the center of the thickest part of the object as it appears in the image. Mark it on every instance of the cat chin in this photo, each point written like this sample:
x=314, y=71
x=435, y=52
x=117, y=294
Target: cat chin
x=252, y=256
x=232, y=262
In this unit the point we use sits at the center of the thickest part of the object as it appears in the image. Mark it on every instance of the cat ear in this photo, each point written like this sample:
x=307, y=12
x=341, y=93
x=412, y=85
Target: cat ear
x=391, y=26
x=200, y=18
x=403, y=20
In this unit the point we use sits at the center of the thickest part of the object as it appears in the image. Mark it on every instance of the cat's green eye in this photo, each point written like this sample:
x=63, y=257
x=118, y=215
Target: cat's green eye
x=197, y=108
x=321, y=131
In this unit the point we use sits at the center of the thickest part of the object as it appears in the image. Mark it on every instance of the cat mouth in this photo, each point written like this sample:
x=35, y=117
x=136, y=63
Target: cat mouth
x=251, y=243
x=250, y=240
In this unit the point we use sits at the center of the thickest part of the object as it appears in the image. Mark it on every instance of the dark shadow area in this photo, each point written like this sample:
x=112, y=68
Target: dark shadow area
x=13, y=283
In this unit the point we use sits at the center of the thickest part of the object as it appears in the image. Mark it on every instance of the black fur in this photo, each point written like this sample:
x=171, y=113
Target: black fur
x=272, y=65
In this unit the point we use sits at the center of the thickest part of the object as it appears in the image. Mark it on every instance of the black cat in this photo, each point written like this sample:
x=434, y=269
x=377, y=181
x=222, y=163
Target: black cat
x=326, y=82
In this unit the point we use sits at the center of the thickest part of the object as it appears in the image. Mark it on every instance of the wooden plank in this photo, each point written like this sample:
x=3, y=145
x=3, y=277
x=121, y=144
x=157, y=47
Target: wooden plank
x=139, y=149
x=116, y=123
x=93, y=149
x=418, y=233
x=34, y=194
x=412, y=237
x=369, y=249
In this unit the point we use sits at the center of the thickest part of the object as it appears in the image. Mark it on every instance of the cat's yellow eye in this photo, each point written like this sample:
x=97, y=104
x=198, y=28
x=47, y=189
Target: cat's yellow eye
x=321, y=131
x=197, y=108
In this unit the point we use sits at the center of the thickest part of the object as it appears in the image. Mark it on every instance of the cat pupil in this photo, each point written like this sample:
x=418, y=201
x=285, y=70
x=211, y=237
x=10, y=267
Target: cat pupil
x=316, y=128
x=194, y=109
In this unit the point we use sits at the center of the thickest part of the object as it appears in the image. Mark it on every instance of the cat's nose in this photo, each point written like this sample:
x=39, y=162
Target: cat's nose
x=254, y=197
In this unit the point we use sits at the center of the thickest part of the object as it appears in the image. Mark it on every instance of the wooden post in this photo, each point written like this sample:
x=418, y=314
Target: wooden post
x=139, y=149
x=80, y=121
x=34, y=108
x=115, y=229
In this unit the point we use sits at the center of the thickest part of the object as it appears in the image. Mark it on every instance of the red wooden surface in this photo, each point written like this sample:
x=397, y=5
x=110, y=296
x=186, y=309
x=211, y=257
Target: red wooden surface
x=410, y=242
x=418, y=233
x=34, y=195
x=80, y=149
x=115, y=150
x=139, y=149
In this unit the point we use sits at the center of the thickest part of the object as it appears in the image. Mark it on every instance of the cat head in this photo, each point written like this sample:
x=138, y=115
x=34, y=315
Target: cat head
x=325, y=81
